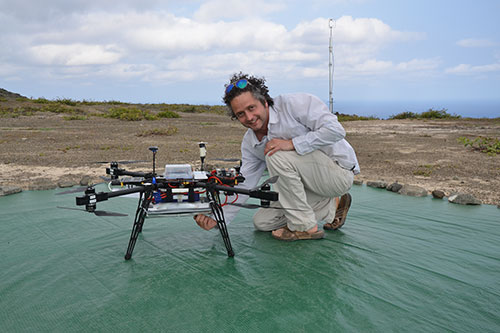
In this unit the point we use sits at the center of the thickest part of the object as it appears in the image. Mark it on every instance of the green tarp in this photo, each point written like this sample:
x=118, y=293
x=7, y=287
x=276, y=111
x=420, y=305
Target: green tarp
x=399, y=264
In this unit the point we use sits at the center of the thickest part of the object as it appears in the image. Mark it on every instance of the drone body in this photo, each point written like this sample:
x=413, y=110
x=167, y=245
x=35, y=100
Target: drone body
x=179, y=191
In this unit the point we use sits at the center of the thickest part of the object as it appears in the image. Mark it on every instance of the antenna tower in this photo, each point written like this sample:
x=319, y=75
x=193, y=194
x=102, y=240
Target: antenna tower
x=331, y=23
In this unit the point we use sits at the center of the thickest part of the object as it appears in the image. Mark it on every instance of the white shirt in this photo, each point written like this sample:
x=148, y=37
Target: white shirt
x=308, y=122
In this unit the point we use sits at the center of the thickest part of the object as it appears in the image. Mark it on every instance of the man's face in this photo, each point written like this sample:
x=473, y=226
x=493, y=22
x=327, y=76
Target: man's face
x=251, y=112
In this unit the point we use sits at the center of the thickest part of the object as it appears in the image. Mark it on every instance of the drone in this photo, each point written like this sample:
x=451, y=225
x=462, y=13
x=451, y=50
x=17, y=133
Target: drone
x=178, y=191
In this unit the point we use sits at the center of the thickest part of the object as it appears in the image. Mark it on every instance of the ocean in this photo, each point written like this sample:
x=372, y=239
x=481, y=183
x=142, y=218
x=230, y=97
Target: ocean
x=385, y=109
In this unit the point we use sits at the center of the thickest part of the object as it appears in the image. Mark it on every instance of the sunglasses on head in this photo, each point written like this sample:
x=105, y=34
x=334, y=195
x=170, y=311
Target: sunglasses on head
x=241, y=84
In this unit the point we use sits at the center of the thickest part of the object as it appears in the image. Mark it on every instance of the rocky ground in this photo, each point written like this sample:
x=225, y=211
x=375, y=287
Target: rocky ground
x=49, y=146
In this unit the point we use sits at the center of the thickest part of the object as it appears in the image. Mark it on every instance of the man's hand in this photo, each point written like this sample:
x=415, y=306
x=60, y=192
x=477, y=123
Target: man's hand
x=205, y=222
x=278, y=144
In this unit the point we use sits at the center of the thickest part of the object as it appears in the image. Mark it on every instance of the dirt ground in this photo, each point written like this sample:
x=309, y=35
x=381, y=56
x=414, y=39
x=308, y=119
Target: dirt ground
x=417, y=152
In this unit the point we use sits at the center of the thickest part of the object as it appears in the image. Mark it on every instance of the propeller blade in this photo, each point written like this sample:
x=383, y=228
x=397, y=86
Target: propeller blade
x=97, y=212
x=74, y=190
x=251, y=206
x=83, y=188
x=71, y=208
x=271, y=180
x=105, y=213
x=254, y=206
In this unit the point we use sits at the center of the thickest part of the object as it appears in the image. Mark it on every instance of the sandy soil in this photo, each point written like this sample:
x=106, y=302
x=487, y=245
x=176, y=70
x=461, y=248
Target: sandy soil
x=417, y=152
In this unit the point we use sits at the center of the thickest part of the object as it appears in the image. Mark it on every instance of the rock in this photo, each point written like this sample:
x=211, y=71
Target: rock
x=438, y=194
x=85, y=181
x=463, y=199
x=8, y=190
x=377, y=184
x=42, y=184
x=63, y=183
x=357, y=182
x=394, y=187
x=412, y=190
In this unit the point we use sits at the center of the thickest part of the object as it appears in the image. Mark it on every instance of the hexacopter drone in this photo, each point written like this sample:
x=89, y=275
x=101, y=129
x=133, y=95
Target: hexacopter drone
x=178, y=191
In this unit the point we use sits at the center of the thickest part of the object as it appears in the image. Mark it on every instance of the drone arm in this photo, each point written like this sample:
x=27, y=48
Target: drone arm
x=255, y=193
x=103, y=196
x=114, y=172
x=125, y=191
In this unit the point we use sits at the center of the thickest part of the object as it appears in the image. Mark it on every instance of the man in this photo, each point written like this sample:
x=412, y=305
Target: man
x=297, y=138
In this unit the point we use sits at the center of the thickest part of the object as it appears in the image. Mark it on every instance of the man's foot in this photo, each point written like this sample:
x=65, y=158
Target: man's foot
x=288, y=235
x=340, y=213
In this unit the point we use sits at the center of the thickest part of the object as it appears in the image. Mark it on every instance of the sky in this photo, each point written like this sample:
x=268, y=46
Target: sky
x=154, y=51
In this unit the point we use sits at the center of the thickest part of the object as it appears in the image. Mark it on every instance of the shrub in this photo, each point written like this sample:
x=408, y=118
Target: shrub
x=404, y=115
x=41, y=100
x=429, y=114
x=130, y=114
x=352, y=117
x=437, y=114
x=75, y=117
x=490, y=146
x=66, y=101
x=58, y=108
x=168, y=114
x=170, y=130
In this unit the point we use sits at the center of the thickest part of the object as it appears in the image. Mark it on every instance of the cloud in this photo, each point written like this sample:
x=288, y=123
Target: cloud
x=74, y=54
x=466, y=69
x=473, y=43
x=220, y=37
x=235, y=10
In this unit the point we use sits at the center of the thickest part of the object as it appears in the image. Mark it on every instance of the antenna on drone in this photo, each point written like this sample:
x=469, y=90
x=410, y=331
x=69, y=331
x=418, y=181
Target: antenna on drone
x=154, y=149
x=331, y=24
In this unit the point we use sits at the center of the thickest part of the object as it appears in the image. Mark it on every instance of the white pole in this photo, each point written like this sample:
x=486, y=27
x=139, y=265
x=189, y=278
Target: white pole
x=330, y=66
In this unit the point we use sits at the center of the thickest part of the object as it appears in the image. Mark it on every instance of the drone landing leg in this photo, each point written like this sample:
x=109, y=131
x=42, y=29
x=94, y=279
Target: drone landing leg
x=215, y=206
x=140, y=215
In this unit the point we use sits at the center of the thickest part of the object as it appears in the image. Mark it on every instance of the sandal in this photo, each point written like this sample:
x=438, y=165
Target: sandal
x=340, y=213
x=290, y=236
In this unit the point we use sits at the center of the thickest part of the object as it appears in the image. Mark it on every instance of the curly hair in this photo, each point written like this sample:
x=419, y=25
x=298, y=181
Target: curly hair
x=256, y=86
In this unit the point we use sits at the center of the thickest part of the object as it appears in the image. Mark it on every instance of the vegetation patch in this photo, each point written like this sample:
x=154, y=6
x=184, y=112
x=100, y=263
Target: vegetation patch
x=75, y=117
x=168, y=114
x=424, y=170
x=41, y=100
x=488, y=145
x=170, y=130
x=130, y=114
x=189, y=108
x=59, y=108
x=429, y=114
x=65, y=149
x=67, y=101
x=353, y=117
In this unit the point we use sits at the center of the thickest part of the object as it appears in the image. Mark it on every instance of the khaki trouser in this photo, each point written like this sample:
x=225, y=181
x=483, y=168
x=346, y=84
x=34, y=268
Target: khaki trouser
x=307, y=186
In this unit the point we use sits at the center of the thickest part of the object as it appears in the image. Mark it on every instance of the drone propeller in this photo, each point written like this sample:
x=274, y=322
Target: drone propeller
x=83, y=188
x=96, y=212
x=74, y=190
x=271, y=180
